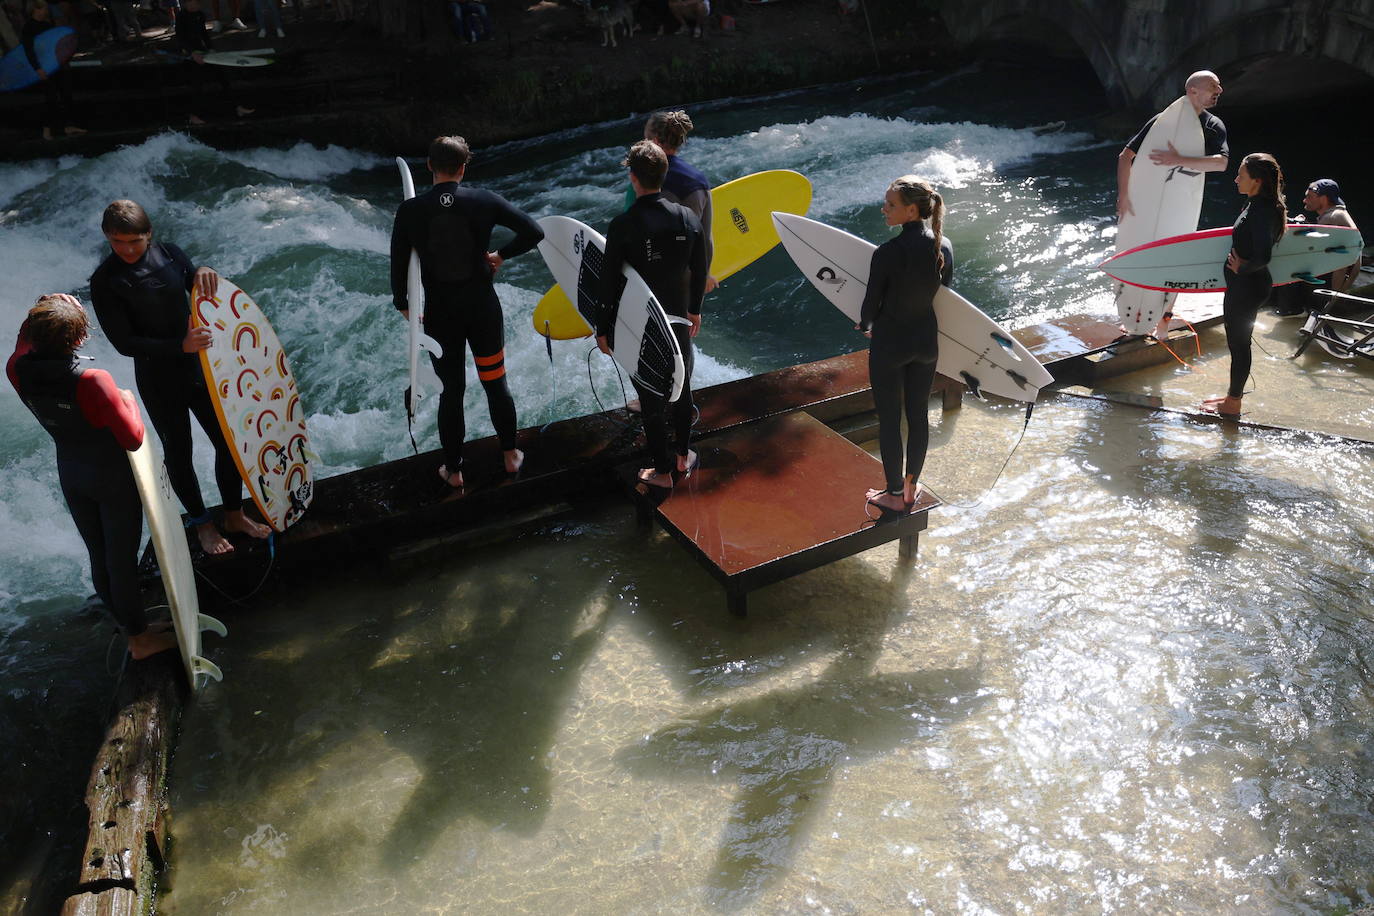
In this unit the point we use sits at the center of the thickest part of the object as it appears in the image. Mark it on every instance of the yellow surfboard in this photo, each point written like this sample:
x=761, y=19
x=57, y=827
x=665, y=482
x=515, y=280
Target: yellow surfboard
x=741, y=228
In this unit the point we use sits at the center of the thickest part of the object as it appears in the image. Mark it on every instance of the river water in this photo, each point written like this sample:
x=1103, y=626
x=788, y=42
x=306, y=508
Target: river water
x=1133, y=678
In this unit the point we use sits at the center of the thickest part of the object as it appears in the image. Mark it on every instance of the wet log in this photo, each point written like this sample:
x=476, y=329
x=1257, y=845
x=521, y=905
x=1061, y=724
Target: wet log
x=126, y=798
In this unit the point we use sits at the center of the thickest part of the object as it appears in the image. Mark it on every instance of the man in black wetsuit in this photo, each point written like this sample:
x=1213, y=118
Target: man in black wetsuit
x=140, y=296
x=450, y=228
x=665, y=243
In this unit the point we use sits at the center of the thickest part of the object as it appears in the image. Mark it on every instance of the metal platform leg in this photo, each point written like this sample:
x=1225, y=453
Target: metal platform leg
x=737, y=600
x=906, y=547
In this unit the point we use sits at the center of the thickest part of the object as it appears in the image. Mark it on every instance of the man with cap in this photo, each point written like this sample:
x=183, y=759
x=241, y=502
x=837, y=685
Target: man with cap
x=1323, y=199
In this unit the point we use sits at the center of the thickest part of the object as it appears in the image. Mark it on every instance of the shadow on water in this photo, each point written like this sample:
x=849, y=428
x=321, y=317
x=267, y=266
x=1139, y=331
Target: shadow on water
x=785, y=747
x=465, y=676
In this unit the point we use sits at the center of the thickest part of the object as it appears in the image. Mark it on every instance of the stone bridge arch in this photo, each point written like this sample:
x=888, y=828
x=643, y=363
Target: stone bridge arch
x=1142, y=50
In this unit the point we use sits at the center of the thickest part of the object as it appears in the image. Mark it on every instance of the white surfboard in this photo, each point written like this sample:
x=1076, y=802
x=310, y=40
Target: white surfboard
x=973, y=347
x=1166, y=201
x=415, y=297
x=257, y=402
x=174, y=560
x=644, y=343
x=1193, y=263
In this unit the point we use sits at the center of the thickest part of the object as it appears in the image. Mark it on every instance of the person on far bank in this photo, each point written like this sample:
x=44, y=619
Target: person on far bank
x=1253, y=237
x=898, y=315
x=690, y=13
x=93, y=424
x=665, y=243
x=195, y=42
x=683, y=184
x=140, y=293
x=1203, y=89
x=57, y=86
x=1322, y=200
x=450, y=227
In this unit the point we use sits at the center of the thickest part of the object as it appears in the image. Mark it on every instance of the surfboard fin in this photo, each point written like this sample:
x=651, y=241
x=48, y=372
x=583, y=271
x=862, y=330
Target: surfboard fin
x=430, y=345
x=1018, y=378
x=1306, y=277
x=1004, y=341
x=206, y=667
x=210, y=624
x=975, y=387
x=1339, y=249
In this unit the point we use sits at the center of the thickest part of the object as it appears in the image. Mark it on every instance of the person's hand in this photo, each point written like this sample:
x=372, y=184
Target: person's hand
x=207, y=281
x=196, y=339
x=696, y=324
x=1124, y=208
x=126, y=396
x=868, y=334
x=494, y=261
x=1167, y=157
x=711, y=283
x=602, y=345
x=1233, y=261
x=405, y=313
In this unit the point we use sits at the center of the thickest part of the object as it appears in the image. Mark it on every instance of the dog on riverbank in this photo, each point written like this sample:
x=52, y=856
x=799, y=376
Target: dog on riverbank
x=607, y=15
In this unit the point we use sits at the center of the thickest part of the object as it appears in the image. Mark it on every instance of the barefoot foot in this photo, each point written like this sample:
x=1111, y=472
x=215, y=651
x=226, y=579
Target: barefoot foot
x=654, y=479
x=892, y=502
x=514, y=460
x=687, y=463
x=211, y=541
x=238, y=523
x=454, y=480
x=149, y=643
x=1225, y=406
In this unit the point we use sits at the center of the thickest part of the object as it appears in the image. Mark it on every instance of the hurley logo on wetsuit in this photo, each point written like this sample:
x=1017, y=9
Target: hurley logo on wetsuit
x=446, y=199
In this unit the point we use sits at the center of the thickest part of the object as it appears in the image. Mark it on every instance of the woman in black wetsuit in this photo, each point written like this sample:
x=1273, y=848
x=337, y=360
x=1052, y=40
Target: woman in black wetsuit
x=899, y=316
x=93, y=423
x=1248, y=283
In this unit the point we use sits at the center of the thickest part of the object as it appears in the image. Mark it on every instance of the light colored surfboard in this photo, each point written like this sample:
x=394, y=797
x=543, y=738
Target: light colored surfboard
x=973, y=347
x=644, y=344
x=174, y=560
x=1193, y=263
x=741, y=232
x=418, y=340
x=258, y=404
x=53, y=48
x=236, y=59
x=1166, y=200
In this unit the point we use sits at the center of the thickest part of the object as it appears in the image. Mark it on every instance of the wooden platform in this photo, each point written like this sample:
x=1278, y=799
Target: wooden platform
x=774, y=499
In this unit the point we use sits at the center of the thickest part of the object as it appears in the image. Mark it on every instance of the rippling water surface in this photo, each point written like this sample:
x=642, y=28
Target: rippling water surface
x=1132, y=678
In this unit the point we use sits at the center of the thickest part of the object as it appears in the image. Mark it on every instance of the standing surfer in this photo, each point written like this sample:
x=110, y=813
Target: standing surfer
x=140, y=296
x=93, y=424
x=683, y=184
x=898, y=315
x=1203, y=90
x=665, y=243
x=1256, y=231
x=450, y=228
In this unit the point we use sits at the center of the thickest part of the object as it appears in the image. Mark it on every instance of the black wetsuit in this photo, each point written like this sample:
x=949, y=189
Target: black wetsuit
x=192, y=37
x=1214, y=141
x=450, y=227
x=57, y=88
x=92, y=427
x=1253, y=237
x=898, y=308
x=665, y=243
x=144, y=310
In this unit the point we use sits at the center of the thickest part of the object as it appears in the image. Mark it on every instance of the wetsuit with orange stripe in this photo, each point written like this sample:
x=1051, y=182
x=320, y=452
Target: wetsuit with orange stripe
x=450, y=228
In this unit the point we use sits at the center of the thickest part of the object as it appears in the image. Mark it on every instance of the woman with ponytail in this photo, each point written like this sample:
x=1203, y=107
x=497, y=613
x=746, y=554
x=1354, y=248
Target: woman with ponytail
x=1248, y=283
x=899, y=316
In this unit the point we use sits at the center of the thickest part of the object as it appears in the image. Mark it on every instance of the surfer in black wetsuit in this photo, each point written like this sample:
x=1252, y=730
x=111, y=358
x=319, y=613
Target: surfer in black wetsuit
x=684, y=184
x=140, y=296
x=1248, y=282
x=665, y=243
x=450, y=228
x=898, y=314
x=93, y=423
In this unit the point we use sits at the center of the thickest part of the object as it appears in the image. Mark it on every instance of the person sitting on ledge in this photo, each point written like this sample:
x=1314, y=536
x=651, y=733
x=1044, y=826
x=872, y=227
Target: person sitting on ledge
x=1323, y=199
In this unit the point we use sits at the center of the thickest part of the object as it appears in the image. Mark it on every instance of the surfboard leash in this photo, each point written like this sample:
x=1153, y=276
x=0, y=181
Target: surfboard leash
x=625, y=399
x=271, y=562
x=1030, y=409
